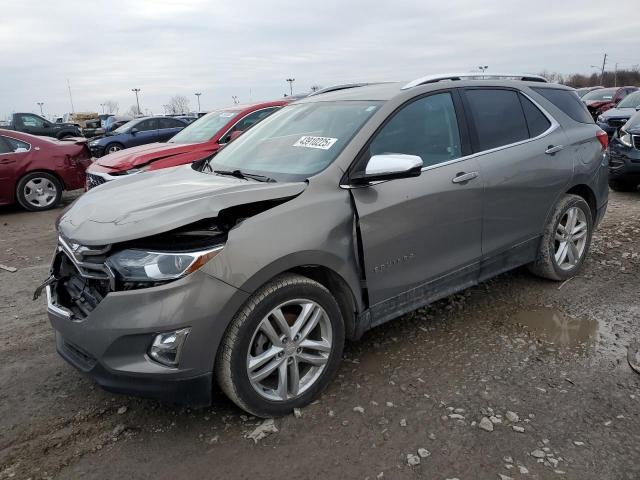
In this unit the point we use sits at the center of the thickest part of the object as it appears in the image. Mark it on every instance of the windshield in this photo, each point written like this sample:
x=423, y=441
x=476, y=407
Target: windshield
x=297, y=141
x=205, y=128
x=630, y=101
x=600, y=94
x=126, y=127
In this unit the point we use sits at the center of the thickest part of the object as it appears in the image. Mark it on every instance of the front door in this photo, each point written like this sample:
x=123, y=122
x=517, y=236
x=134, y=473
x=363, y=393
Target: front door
x=420, y=234
x=147, y=133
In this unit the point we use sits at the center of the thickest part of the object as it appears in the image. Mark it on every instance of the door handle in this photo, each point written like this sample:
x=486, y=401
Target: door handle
x=463, y=177
x=6, y=161
x=551, y=149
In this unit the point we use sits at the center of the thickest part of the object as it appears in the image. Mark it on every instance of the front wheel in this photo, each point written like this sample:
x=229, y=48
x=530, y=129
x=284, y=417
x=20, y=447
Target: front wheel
x=112, y=148
x=282, y=348
x=565, y=241
x=38, y=191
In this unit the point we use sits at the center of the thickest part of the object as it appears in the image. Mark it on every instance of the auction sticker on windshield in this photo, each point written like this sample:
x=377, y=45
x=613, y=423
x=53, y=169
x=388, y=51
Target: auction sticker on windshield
x=323, y=143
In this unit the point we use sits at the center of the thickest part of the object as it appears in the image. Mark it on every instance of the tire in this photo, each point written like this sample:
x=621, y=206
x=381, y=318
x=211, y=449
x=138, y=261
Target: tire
x=65, y=135
x=245, y=339
x=547, y=264
x=112, y=148
x=623, y=186
x=39, y=191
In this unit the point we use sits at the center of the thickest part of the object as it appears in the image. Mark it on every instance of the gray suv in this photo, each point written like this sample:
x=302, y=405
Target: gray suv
x=334, y=215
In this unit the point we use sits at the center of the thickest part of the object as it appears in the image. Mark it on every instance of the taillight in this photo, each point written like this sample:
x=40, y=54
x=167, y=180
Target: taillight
x=603, y=138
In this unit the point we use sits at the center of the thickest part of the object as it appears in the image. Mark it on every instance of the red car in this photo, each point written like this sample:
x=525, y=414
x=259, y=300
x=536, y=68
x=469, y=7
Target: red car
x=35, y=170
x=603, y=99
x=199, y=140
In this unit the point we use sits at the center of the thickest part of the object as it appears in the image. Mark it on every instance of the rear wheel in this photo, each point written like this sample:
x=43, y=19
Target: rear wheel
x=38, y=191
x=282, y=348
x=565, y=241
x=623, y=186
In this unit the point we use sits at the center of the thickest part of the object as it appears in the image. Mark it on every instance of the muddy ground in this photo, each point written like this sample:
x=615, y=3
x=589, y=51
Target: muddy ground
x=541, y=364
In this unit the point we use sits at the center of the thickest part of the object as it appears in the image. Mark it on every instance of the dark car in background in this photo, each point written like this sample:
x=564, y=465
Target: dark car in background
x=36, y=125
x=584, y=90
x=35, y=170
x=199, y=140
x=135, y=133
x=601, y=100
x=624, y=157
x=614, y=118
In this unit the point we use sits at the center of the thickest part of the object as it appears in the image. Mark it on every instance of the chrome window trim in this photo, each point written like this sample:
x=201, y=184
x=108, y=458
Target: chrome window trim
x=552, y=128
x=242, y=118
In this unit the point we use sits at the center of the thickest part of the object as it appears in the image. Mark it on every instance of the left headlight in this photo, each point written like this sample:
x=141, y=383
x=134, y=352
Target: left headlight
x=625, y=138
x=144, y=266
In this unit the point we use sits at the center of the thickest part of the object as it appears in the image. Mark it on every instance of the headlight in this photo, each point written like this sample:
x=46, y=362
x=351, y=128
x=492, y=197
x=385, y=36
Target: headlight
x=625, y=138
x=143, y=266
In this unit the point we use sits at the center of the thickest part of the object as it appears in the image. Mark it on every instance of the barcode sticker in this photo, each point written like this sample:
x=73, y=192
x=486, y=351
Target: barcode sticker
x=323, y=143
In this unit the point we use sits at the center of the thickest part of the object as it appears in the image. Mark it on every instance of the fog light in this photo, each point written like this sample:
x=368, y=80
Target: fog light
x=166, y=347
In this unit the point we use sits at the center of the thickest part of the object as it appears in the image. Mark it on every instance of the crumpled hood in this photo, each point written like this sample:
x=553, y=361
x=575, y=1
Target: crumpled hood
x=146, y=204
x=133, y=157
x=618, y=112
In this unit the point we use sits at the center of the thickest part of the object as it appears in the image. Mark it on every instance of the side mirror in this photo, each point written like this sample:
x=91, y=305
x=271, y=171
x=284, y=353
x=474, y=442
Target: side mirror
x=133, y=131
x=389, y=166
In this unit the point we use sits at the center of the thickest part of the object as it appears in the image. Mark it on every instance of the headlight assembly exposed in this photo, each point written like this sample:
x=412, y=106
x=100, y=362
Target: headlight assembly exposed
x=134, y=265
x=625, y=138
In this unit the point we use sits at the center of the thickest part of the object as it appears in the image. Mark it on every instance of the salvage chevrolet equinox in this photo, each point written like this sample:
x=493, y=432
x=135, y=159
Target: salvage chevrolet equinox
x=334, y=215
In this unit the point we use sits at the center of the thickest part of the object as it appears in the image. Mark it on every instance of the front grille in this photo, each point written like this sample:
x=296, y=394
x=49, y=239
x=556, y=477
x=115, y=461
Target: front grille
x=83, y=278
x=94, y=180
x=636, y=141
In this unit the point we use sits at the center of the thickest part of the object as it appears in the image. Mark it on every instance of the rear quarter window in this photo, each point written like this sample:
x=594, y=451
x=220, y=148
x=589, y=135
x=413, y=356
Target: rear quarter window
x=567, y=101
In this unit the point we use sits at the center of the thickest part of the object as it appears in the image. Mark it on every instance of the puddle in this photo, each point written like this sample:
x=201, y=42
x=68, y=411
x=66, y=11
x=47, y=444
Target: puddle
x=558, y=328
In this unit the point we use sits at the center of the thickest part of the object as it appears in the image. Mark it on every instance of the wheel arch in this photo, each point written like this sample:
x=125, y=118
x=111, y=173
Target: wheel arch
x=588, y=195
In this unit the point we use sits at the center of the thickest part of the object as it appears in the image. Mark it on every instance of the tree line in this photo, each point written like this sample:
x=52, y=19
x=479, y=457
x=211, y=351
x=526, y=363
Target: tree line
x=618, y=78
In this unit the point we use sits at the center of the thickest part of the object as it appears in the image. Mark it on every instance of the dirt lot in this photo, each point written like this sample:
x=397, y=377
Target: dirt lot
x=543, y=365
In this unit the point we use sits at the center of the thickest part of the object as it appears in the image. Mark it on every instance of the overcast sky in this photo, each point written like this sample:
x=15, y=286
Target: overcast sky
x=248, y=48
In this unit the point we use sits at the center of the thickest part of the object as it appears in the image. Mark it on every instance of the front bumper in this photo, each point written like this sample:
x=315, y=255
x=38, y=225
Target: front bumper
x=111, y=343
x=624, y=162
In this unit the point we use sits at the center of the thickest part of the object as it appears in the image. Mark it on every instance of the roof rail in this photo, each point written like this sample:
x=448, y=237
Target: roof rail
x=474, y=76
x=335, y=88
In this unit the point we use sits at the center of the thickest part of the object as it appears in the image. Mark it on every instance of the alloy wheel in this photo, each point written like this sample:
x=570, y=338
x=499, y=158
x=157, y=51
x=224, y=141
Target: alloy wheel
x=114, y=148
x=40, y=192
x=571, y=238
x=289, y=350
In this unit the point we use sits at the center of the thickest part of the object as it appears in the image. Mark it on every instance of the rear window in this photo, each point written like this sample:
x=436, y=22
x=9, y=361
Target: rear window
x=567, y=101
x=497, y=116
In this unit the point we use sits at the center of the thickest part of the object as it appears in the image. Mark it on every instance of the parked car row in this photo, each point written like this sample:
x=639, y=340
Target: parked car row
x=624, y=156
x=337, y=213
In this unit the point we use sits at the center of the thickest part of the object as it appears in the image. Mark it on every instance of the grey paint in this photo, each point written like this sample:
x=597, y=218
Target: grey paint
x=433, y=236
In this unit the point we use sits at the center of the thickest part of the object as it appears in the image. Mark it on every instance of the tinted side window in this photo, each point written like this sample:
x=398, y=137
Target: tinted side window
x=427, y=127
x=32, y=121
x=4, y=146
x=151, y=124
x=568, y=102
x=536, y=120
x=170, y=123
x=16, y=144
x=497, y=116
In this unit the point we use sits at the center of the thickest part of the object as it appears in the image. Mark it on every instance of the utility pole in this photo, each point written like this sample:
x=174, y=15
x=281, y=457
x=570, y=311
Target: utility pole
x=290, y=80
x=136, y=90
x=198, y=97
x=102, y=105
x=235, y=99
x=483, y=68
x=73, y=110
x=615, y=76
x=40, y=104
x=604, y=62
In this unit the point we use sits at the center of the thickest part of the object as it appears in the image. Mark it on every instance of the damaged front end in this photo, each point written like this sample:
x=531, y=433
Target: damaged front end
x=82, y=276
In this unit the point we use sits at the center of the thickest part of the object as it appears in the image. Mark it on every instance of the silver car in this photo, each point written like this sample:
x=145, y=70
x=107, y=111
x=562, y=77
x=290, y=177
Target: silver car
x=334, y=215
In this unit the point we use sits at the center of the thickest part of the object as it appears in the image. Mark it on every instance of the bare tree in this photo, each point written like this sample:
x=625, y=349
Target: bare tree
x=315, y=88
x=111, y=107
x=132, y=112
x=178, y=104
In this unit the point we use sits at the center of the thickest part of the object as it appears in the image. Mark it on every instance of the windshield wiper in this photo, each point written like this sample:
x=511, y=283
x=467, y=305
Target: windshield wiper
x=244, y=175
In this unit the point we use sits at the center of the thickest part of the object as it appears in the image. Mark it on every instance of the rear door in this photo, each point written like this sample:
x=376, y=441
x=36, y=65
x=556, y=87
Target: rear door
x=12, y=153
x=147, y=133
x=168, y=127
x=525, y=166
x=425, y=229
